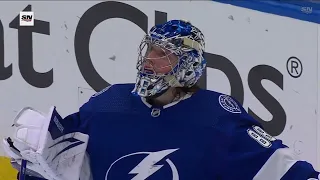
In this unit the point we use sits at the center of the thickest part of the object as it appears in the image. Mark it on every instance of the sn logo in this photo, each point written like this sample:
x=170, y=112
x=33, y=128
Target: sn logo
x=307, y=10
x=26, y=18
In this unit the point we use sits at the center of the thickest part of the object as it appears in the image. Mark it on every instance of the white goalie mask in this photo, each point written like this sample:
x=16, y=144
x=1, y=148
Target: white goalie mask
x=170, y=55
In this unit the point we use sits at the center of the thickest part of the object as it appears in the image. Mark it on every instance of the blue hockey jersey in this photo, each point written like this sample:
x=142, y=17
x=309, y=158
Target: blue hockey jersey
x=208, y=136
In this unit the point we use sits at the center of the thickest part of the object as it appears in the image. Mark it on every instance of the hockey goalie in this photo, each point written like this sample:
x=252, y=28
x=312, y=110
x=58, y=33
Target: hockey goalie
x=163, y=127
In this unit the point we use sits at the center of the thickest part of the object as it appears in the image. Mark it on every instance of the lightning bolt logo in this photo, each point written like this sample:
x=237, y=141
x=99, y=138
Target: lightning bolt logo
x=148, y=166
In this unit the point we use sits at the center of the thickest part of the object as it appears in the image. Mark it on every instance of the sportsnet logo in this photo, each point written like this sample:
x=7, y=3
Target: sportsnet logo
x=26, y=18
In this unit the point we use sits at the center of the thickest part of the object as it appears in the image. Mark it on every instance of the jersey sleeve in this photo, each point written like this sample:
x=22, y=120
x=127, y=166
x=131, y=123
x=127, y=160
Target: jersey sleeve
x=254, y=154
x=78, y=122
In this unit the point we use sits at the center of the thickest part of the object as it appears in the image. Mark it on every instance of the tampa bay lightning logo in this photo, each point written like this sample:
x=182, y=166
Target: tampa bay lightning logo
x=144, y=165
x=229, y=104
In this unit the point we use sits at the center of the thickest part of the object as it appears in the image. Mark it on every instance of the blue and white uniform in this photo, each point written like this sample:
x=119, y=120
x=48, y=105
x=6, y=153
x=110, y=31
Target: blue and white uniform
x=208, y=136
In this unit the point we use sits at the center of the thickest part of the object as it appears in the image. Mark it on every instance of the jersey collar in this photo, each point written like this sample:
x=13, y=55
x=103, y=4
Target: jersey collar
x=144, y=100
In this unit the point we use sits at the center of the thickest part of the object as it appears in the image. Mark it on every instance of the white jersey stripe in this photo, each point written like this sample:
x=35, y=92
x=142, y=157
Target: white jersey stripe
x=277, y=165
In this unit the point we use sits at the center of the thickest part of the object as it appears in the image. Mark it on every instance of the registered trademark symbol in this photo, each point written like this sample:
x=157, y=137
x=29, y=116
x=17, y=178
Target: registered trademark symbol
x=294, y=67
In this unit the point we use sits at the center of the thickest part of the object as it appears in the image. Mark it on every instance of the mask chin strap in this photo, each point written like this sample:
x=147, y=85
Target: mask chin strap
x=173, y=82
x=149, y=98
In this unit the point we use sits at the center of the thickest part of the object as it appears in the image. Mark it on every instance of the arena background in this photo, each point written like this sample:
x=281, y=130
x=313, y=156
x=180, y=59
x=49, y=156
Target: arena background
x=264, y=53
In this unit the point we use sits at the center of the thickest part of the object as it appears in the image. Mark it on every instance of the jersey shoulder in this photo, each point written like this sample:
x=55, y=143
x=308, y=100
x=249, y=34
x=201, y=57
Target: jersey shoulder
x=115, y=89
x=114, y=98
x=226, y=110
x=220, y=103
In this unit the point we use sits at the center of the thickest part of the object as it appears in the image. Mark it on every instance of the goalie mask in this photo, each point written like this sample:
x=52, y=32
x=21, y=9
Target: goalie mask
x=170, y=55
